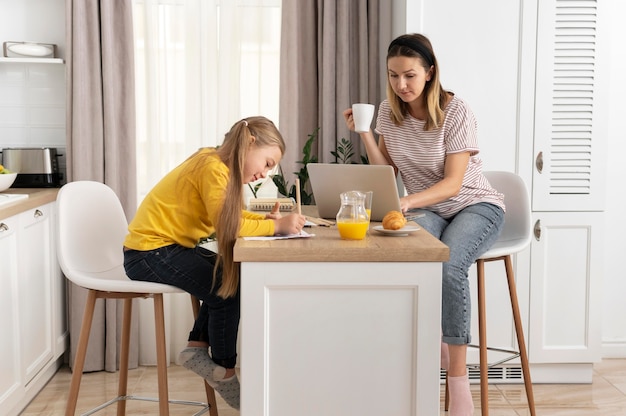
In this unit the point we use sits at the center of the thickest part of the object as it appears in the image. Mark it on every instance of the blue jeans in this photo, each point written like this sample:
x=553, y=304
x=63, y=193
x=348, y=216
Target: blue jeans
x=469, y=234
x=191, y=269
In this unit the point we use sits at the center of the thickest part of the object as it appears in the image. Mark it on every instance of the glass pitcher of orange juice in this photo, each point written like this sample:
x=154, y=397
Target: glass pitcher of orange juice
x=352, y=219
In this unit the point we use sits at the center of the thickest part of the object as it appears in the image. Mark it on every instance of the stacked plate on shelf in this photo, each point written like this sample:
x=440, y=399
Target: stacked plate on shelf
x=29, y=50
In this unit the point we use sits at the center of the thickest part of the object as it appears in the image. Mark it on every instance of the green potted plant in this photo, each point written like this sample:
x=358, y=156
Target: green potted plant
x=284, y=188
x=345, y=151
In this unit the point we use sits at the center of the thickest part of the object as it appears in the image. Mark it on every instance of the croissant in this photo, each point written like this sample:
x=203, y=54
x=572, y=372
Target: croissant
x=394, y=220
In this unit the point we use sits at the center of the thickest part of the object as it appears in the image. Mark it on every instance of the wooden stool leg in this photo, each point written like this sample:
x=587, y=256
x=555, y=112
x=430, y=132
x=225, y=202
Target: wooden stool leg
x=195, y=306
x=482, y=339
x=164, y=409
x=519, y=331
x=122, y=387
x=81, y=352
x=210, y=393
x=210, y=398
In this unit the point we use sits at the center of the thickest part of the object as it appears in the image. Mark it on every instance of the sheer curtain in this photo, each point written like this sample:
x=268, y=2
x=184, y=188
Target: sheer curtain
x=200, y=65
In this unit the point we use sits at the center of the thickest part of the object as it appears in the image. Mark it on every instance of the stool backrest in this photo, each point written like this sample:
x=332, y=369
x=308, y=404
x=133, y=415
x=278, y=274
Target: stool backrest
x=517, y=225
x=91, y=228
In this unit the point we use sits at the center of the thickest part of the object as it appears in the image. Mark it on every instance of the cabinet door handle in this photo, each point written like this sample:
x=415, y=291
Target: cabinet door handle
x=537, y=230
x=539, y=162
x=37, y=214
x=3, y=227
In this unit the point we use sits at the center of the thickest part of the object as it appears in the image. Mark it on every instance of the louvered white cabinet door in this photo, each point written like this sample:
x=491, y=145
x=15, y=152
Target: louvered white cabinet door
x=570, y=115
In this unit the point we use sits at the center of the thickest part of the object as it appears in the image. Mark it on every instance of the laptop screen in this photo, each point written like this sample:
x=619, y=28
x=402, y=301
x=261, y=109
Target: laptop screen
x=329, y=180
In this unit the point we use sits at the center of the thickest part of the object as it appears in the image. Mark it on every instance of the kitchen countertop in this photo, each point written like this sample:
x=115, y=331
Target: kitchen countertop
x=36, y=197
x=327, y=246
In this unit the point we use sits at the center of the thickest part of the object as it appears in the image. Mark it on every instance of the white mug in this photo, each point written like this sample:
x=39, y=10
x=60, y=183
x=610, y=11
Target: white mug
x=363, y=115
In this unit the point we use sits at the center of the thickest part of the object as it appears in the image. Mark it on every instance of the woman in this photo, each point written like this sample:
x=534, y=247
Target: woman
x=200, y=198
x=429, y=136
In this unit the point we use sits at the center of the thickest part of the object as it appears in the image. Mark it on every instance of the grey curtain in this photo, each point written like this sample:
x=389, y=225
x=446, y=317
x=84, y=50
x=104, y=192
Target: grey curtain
x=101, y=143
x=331, y=57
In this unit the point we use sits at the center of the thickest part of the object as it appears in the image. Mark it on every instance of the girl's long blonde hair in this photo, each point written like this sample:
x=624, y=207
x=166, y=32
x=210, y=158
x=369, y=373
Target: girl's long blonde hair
x=233, y=153
x=416, y=45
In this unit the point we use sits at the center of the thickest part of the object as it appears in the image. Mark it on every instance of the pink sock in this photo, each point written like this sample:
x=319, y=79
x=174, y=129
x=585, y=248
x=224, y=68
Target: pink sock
x=445, y=356
x=461, y=403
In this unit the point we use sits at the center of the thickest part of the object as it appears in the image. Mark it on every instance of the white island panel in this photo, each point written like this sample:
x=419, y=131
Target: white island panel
x=340, y=338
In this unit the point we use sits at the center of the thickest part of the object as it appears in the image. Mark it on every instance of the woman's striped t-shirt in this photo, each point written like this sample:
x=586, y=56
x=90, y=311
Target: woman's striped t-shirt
x=419, y=155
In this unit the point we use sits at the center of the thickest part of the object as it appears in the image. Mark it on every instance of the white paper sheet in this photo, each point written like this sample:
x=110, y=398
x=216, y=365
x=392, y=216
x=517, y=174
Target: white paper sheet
x=302, y=234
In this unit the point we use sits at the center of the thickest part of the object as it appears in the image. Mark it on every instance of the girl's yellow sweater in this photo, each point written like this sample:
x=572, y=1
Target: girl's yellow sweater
x=183, y=208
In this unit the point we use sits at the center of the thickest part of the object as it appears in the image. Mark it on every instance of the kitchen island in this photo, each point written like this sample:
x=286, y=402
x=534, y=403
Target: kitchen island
x=338, y=327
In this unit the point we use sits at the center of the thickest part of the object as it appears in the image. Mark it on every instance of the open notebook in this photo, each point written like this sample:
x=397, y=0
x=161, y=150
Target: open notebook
x=329, y=180
x=267, y=204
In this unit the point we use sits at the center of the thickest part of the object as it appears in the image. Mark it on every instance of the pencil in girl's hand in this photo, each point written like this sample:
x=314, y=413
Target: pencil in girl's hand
x=298, y=196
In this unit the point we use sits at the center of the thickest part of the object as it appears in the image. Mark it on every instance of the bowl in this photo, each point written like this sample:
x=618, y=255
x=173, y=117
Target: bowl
x=6, y=180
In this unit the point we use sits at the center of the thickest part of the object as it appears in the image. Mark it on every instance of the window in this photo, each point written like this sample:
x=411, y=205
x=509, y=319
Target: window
x=200, y=66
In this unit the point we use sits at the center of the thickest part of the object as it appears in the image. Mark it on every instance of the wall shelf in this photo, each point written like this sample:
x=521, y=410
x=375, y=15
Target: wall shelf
x=32, y=60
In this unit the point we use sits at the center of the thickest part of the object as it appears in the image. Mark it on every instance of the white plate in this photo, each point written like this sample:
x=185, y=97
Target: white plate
x=406, y=230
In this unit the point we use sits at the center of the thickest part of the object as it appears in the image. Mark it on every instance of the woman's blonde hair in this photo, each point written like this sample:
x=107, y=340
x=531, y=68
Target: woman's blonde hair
x=418, y=46
x=233, y=153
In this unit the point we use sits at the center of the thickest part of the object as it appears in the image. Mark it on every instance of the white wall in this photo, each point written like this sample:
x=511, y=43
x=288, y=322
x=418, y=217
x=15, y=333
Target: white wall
x=614, y=311
x=32, y=96
x=34, y=21
x=475, y=64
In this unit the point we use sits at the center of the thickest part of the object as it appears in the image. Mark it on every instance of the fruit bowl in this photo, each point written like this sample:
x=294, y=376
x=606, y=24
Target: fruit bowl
x=6, y=180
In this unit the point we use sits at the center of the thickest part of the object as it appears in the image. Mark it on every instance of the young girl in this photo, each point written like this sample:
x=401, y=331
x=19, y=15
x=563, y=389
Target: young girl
x=429, y=136
x=200, y=198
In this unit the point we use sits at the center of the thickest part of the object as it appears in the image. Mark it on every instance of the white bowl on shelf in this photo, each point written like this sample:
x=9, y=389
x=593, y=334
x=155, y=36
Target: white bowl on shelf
x=6, y=180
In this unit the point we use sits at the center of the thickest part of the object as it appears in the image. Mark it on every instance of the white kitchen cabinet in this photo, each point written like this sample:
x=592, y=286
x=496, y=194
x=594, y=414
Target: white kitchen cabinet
x=35, y=289
x=571, y=94
x=10, y=378
x=60, y=329
x=32, y=303
x=568, y=192
x=565, y=295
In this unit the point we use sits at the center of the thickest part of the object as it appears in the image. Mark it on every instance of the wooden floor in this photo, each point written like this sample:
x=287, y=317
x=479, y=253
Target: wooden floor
x=606, y=396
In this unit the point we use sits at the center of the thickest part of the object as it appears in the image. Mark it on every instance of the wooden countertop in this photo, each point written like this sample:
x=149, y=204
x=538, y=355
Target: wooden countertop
x=328, y=246
x=36, y=198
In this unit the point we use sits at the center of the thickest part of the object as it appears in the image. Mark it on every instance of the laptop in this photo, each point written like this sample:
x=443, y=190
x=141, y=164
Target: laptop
x=329, y=180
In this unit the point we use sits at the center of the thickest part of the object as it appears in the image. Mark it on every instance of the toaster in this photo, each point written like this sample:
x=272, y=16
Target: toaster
x=35, y=167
